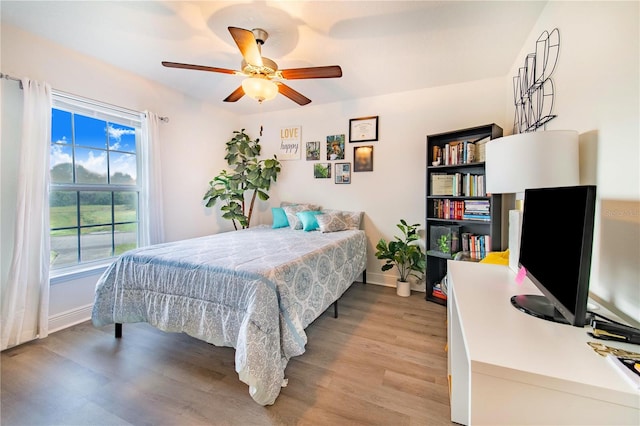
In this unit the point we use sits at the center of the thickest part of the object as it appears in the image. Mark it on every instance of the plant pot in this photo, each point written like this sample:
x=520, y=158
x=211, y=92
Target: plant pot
x=403, y=288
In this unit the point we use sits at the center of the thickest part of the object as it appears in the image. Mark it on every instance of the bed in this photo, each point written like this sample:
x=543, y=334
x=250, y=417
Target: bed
x=255, y=290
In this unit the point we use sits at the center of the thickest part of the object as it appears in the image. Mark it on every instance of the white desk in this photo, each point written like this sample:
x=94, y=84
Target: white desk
x=508, y=367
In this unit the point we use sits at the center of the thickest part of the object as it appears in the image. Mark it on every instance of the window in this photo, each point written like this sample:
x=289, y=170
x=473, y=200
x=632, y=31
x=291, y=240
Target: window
x=95, y=188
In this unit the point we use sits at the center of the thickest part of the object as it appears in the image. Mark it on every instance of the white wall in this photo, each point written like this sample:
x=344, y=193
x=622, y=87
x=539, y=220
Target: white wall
x=597, y=85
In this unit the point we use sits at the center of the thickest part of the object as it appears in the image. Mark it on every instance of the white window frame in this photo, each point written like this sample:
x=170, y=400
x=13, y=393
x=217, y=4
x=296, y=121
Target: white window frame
x=118, y=115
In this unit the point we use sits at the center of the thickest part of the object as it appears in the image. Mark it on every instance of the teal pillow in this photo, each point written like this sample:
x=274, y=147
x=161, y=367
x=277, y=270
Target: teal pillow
x=279, y=217
x=308, y=219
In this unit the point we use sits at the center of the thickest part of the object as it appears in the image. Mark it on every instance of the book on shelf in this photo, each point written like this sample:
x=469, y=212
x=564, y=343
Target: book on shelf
x=457, y=184
x=480, y=148
x=476, y=245
x=437, y=292
x=455, y=152
x=441, y=184
x=628, y=367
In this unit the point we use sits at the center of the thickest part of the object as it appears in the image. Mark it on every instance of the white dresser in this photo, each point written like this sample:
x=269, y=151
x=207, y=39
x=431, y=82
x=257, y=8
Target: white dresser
x=507, y=367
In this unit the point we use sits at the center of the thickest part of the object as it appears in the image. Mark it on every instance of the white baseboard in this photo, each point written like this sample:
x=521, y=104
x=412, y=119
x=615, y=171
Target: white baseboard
x=389, y=280
x=72, y=317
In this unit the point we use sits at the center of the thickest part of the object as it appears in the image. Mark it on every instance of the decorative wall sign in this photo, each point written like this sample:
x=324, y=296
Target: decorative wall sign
x=363, y=129
x=335, y=147
x=363, y=158
x=290, y=143
x=533, y=89
x=343, y=173
x=313, y=151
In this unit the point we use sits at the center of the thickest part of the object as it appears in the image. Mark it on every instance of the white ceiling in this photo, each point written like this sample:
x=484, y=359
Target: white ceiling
x=382, y=47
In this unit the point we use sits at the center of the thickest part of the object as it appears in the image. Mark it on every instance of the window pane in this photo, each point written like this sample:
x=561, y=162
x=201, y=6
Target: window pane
x=90, y=132
x=63, y=209
x=122, y=168
x=95, y=209
x=61, y=163
x=61, y=126
x=91, y=166
x=122, y=138
x=125, y=206
x=64, y=248
x=125, y=237
x=95, y=243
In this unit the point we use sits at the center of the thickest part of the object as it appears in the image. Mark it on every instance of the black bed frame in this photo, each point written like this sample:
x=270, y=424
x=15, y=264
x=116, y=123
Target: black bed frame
x=118, y=325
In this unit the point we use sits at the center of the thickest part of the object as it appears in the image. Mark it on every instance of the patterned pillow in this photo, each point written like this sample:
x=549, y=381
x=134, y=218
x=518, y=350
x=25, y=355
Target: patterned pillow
x=291, y=210
x=337, y=220
x=353, y=219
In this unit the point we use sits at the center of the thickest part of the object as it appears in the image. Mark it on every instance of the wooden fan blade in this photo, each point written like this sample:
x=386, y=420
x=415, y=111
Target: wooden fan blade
x=247, y=44
x=296, y=97
x=198, y=67
x=237, y=94
x=331, y=71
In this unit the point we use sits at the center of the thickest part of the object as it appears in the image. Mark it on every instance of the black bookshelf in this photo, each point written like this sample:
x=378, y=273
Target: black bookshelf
x=463, y=171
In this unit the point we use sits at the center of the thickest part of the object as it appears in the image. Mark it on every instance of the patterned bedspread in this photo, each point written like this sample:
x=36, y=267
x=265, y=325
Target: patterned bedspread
x=255, y=290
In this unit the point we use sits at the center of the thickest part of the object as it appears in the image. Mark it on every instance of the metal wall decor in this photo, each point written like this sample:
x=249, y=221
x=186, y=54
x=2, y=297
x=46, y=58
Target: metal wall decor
x=533, y=89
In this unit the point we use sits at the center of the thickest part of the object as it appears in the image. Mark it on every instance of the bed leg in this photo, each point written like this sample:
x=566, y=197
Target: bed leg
x=364, y=276
x=118, y=330
x=335, y=309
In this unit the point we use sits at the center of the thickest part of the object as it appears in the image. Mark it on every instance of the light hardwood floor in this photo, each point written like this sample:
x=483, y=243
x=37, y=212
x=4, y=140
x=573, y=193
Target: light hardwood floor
x=383, y=362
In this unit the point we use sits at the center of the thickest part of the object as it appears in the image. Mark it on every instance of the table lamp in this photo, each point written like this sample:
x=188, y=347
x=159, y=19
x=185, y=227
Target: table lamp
x=530, y=160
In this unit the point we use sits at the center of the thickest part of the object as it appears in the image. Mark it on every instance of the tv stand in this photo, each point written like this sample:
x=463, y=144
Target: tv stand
x=509, y=368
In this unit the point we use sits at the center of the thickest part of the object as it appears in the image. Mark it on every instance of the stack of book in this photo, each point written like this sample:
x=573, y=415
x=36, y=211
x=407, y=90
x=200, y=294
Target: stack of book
x=477, y=210
x=439, y=290
x=476, y=245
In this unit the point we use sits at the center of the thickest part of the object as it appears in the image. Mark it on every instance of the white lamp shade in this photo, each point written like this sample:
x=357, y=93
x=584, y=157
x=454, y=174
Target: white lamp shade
x=532, y=160
x=260, y=88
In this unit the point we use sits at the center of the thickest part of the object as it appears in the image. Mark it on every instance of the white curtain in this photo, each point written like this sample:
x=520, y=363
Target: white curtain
x=151, y=214
x=25, y=298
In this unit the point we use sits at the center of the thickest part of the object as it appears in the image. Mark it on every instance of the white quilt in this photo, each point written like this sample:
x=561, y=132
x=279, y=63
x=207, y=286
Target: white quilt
x=255, y=290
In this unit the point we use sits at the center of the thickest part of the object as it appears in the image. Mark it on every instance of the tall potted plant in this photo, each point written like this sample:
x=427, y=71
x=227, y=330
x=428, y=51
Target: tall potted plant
x=248, y=175
x=405, y=254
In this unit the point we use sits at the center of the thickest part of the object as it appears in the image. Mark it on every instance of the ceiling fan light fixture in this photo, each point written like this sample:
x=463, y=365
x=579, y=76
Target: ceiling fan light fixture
x=260, y=88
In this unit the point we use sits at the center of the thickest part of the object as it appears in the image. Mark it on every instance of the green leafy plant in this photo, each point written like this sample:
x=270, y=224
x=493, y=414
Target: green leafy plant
x=403, y=252
x=248, y=175
x=443, y=243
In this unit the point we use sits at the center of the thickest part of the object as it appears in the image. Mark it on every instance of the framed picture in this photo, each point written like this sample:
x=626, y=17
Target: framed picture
x=343, y=173
x=363, y=129
x=363, y=158
x=322, y=170
x=313, y=151
x=335, y=147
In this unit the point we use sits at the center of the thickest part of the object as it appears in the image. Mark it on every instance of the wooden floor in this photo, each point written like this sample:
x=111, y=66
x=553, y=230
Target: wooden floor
x=381, y=362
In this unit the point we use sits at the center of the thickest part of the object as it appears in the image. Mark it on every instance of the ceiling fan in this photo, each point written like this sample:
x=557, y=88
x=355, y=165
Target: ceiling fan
x=263, y=80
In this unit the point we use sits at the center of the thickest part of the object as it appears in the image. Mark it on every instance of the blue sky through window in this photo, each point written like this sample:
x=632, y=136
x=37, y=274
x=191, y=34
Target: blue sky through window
x=91, y=137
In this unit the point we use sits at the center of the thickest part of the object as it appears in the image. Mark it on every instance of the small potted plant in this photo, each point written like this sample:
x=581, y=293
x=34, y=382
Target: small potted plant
x=405, y=254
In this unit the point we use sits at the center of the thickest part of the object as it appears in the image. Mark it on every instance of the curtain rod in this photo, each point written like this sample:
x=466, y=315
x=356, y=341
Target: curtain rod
x=8, y=77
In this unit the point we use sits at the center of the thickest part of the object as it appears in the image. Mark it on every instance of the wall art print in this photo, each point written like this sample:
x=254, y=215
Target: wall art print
x=335, y=147
x=313, y=151
x=322, y=170
x=363, y=158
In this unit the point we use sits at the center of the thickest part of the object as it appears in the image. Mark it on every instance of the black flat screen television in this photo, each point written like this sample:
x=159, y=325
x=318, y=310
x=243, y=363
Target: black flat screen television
x=555, y=250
